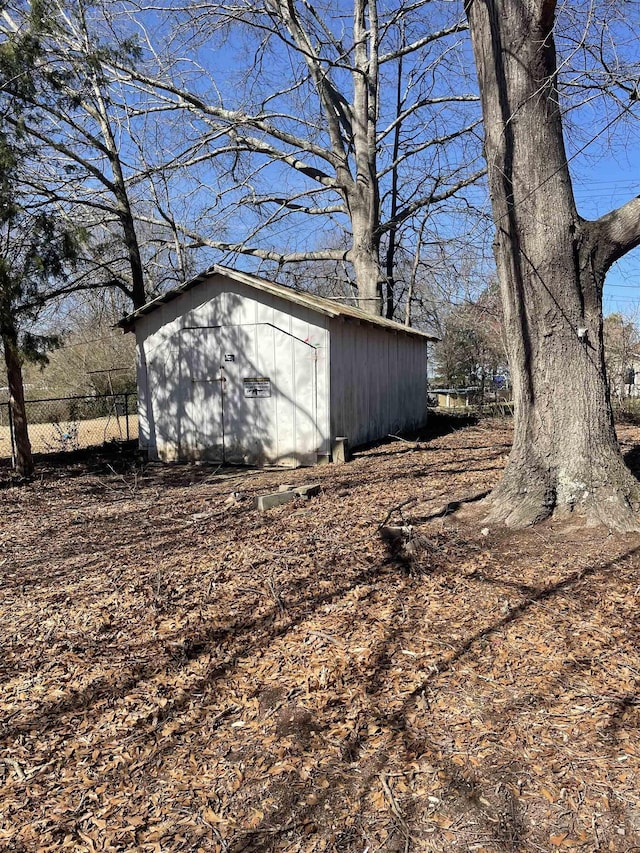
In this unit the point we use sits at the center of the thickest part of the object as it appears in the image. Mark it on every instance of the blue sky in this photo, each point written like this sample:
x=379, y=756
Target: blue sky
x=600, y=187
x=604, y=151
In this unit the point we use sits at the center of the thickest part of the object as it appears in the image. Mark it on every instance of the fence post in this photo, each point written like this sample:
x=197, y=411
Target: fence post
x=126, y=413
x=13, y=438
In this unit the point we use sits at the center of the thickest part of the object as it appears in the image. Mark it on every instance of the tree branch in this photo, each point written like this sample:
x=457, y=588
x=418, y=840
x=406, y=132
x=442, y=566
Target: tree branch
x=460, y=27
x=259, y=146
x=432, y=198
x=232, y=118
x=68, y=152
x=198, y=241
x=289, y=204
x=618, y=231
x=429, y=143
x=424, y=102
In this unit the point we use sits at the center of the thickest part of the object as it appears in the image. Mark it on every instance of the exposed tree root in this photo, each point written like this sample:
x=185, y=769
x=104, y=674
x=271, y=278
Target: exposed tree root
x=516, y=505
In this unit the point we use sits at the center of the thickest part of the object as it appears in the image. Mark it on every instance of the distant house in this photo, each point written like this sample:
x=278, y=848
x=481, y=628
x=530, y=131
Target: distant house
x=625, y=380
x=449, y=398
x=238, y=369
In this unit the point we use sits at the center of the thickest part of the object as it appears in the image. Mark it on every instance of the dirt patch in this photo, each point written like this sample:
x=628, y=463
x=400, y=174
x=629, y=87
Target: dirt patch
x=185, y=673
x=74, y=435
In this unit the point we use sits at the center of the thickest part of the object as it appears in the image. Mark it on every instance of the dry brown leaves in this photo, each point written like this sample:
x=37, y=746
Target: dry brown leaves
x=180, y=673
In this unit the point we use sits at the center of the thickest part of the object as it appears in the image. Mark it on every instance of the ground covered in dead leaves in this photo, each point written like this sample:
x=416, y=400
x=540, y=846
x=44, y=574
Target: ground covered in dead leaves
x=181, y=672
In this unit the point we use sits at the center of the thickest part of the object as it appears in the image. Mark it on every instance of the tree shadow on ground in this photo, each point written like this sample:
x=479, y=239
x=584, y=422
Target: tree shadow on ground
x=360, y=760
x=119, y=456
x=439, y=424
x=442, y=423
x=300, y=806
x=484, y=795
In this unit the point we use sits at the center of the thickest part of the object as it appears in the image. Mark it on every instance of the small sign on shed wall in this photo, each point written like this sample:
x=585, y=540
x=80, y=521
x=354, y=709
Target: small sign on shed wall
x=257, y=386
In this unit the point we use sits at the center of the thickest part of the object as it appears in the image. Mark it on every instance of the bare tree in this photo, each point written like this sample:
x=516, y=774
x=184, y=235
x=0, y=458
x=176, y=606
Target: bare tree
x=79, y=126
x=551, y=266
x=93, y=356
x=337, y=137
x=471, y=352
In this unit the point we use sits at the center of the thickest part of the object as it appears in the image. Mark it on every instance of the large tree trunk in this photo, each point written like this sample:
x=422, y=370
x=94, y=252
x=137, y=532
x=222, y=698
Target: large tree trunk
x=362, y=193
x=13, y=361
x=365, y=255
x=551, y=266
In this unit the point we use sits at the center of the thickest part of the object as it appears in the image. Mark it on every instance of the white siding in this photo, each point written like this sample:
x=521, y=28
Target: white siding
x=328, y=377
x=185, y=414
x=378, y=381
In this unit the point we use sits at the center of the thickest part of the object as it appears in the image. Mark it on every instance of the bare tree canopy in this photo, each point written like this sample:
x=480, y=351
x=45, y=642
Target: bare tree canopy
x=87, y=154
x=282, y=134
x=320, y=119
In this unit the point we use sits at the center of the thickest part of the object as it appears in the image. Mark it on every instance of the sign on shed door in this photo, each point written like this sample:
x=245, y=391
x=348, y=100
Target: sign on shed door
x=222, y=426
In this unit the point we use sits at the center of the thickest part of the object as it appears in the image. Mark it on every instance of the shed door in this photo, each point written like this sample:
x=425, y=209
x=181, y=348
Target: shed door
x=253, y=395
x=201, y=430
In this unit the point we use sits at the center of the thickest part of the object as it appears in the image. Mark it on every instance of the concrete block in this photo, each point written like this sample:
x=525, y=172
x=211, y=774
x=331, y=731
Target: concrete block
x=286, y=494
x=309, y=491
x=274, y=499
x=340, y=450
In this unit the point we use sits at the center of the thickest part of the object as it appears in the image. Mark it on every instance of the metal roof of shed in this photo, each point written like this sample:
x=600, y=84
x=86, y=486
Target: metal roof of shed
x=308, y=300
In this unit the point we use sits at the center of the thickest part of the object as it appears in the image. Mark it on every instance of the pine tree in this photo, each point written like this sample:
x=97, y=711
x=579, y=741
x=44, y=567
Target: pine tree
x=35, y=249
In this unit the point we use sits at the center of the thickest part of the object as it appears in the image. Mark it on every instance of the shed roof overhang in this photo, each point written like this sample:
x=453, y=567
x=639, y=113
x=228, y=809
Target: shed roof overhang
x=308, y=300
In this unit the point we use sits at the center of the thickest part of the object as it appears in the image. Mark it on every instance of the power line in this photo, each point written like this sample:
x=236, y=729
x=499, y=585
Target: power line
x=575, y=154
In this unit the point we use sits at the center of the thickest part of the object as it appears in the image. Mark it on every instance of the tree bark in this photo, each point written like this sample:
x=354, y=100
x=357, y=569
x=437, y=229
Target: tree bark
x=551, y=267
x=365, y=255
x=362, y=193
x=13, y=362
x=390, y=260
x=137, y=291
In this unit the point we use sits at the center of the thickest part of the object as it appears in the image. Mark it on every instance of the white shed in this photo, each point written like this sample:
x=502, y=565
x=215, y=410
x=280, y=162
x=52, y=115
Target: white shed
x=237, y=369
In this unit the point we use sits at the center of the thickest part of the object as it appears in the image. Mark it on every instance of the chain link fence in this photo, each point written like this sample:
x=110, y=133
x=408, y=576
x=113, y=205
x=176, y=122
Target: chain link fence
x=60, y=424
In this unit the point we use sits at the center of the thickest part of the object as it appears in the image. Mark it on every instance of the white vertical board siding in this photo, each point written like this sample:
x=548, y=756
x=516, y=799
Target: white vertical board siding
x=160, y=400
x=378, y=381
x=314, y=378
x=200, y=355
x=144, y=428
